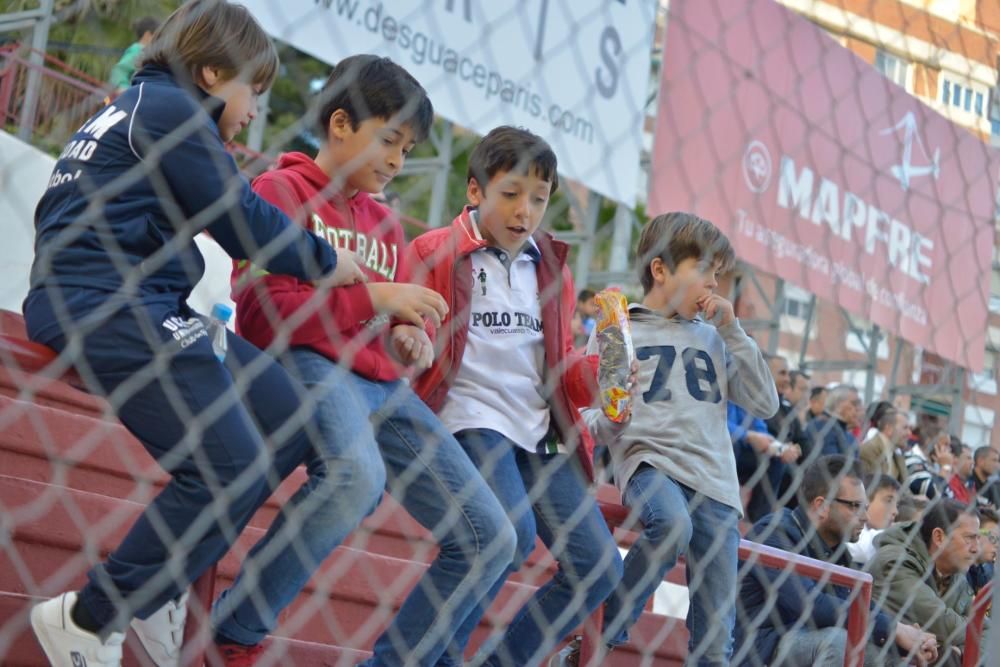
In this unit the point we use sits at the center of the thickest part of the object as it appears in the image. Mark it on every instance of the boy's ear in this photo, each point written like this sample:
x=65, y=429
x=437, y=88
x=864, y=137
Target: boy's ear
x=658, y=269
x=209, y=76
x=474, y=193
x=340, y=125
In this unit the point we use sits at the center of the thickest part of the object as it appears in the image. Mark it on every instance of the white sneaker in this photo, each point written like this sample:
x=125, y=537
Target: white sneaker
x=68, y=645
x=569, y=656
x=162, y=633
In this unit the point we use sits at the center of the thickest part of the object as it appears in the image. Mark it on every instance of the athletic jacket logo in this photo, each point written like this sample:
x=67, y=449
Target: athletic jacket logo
x=77, y=659
x=81, y=149
x=186, y=331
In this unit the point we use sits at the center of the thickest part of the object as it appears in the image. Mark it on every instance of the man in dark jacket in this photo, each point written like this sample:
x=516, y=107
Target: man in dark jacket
x=785, y=424
x=986, y=461
x=791, y=620
x=830, y=433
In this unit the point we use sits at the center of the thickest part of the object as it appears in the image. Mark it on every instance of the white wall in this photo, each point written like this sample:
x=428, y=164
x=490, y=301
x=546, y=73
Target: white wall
x=24, y=172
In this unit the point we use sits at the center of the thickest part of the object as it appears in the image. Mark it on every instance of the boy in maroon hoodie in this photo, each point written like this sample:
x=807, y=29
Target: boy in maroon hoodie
x=349, y=349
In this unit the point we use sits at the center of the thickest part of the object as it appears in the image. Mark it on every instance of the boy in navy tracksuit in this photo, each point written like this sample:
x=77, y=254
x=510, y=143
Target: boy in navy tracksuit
x=114, y=265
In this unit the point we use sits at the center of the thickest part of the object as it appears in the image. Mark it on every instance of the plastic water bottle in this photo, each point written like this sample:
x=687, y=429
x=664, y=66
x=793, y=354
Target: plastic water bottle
x=217, y=329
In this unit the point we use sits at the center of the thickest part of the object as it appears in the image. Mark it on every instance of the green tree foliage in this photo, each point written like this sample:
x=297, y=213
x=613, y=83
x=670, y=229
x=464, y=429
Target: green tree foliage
x=90, y=35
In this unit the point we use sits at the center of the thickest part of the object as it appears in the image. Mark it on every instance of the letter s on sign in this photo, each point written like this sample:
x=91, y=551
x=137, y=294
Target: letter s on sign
x=606, y=77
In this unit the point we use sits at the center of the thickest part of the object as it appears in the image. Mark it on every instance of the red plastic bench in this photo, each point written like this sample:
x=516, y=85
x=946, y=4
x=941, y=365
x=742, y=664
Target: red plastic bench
x=23, y=357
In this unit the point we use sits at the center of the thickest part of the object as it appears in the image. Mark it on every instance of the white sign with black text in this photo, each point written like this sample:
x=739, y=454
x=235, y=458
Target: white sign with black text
x=576, y=73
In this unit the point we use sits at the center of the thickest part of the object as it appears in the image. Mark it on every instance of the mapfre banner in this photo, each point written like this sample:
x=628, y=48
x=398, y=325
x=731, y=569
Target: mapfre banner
x=576, y=73
x=825, y=173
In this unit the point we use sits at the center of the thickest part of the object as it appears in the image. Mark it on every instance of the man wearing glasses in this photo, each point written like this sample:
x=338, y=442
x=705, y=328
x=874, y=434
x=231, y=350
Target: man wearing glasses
x=920, y=569
x=804, y=622
x=981, y=573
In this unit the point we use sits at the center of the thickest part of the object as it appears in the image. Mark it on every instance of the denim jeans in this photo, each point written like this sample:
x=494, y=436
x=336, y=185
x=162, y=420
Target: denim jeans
x=545, y=495
x=431, y=477
x=346, y=478
x=678, y=521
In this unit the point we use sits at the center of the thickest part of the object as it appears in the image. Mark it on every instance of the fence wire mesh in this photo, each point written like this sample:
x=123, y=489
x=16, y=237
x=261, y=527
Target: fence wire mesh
x=397, y=453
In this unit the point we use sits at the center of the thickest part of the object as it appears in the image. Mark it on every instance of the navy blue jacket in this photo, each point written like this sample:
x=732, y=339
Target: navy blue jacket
x=763, y=624
x=767, y=487
x=830, y=436
x=132, y=188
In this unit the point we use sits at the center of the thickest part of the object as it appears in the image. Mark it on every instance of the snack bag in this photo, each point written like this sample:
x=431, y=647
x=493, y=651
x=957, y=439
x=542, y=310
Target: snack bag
x=615, y=354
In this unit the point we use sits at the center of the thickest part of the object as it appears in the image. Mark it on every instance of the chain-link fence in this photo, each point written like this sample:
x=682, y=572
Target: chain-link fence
x=351, y=408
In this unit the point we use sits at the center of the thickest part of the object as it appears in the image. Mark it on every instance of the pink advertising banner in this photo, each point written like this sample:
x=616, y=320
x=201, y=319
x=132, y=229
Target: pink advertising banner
x=825, y=173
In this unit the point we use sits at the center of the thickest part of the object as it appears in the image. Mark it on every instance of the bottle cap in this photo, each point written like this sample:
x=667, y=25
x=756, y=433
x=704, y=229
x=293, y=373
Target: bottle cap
x=221, y=312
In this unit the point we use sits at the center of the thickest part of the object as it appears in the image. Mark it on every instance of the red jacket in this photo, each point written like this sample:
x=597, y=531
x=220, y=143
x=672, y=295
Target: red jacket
x=441, y=259
x=345, y=321
x=960, y=490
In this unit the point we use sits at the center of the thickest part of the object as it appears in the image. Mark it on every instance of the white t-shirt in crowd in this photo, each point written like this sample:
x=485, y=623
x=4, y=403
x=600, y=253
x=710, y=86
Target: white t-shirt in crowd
x=863, y=550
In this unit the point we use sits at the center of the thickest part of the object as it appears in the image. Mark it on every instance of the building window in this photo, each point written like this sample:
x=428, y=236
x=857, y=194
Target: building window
x=986, y=381
x=859, y=380
x=995, y=289
x=978, y=427
x=795, y=311
x=968, y=97
x=854, y=344
x=893, y=68
x=993, y=110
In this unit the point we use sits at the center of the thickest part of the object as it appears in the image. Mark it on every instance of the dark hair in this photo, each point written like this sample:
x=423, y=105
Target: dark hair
x=585, y=294
x=825, y=474
x=877, y=410
x=987, y=514
x=675, y=237
x=816, y=391
x=508, y=148
x=144, y=25
x=793, y=376
x=981, y=453
x=214, y=33
x=366, y=86
x=875, y=483
x=943, y=513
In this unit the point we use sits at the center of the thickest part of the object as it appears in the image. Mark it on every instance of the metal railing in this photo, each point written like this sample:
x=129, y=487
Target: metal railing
x=617, y=516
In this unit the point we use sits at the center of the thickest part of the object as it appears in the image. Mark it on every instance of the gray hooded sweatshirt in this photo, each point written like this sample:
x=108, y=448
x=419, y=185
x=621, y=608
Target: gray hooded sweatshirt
x=688, y=370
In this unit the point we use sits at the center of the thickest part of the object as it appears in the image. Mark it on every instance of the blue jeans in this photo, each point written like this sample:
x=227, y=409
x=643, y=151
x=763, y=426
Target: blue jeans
x=678, y=521
x=431, y=477
x=345, y=484
x=545, y=495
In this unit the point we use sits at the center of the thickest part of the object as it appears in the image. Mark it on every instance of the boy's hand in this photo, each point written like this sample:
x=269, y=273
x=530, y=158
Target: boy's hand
x=410, y=303
x=632, y=384
x=348, y=271
x=411, y=346
x=717, y=310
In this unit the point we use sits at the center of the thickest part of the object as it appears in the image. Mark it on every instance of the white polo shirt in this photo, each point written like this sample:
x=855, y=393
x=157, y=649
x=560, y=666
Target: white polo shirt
x=500, y=383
